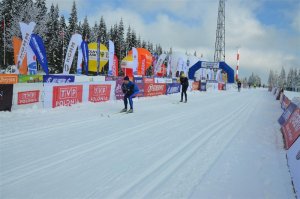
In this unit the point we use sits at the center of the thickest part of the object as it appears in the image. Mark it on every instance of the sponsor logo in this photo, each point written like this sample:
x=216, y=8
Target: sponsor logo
x=66, y=93
x=155, y=88
x=28, y=97
x=8, y=79
x=99, y=93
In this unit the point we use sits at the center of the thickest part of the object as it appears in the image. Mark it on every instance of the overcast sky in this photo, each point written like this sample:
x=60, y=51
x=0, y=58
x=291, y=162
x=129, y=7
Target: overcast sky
x=266, y=31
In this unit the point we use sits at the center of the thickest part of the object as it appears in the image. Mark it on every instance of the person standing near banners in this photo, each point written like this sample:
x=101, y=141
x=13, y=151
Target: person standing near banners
x=184, y=86
x=239, y=85
x=130, y=90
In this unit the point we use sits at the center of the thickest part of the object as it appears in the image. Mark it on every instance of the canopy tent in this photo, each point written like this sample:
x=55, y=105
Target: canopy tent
x=222, y=65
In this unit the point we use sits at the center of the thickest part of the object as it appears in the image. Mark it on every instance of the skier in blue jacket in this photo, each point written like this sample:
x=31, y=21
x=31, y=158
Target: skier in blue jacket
x=130, y=90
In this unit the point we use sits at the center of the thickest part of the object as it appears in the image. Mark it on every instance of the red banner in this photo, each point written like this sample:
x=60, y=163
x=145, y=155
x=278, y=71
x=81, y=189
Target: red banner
x=66, y=95
x=115, y=68
x=291, y=129
x=99, y=93
x=28, y=97
x=143, y=65
x=155, y=89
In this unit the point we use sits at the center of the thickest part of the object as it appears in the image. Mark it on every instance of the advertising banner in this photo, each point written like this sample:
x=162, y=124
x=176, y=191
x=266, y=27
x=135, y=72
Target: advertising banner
x=28, y=97
x=118, y=91
x=173, y=88
x=31, y=62
x=286, y=114
x=293, y=156
x=80, y=60
x=203, y=86
x=38, y=47
x=58, y=78
x=160, y=62
x=66, y=95
x=30, y=78
x=285, y=102
x=111, y=53
x=291, y=129
x=195, y=86
x=26, y=30
x=93, y=56
x=17, y=46
x=75, y=41
x=140, y=84
x=154, y=89
x=6, y=95
x=99, y=92
x=8, y=78
x=148, y=80
x=85, y=51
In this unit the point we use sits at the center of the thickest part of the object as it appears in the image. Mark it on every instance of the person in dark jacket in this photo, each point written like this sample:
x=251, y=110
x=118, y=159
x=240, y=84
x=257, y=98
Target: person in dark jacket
x=130, y=90
x=184, y=86
x=239, y=85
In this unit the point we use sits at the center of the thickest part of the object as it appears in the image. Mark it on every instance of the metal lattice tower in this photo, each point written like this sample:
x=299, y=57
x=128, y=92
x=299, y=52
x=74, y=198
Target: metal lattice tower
x=220, y=33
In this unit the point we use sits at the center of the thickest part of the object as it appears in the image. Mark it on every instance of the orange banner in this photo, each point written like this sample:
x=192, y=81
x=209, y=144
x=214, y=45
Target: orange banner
x=17, y=45
x=8, y=78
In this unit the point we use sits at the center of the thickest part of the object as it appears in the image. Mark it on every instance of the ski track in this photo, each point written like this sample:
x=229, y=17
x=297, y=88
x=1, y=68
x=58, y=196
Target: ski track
x=163, y=165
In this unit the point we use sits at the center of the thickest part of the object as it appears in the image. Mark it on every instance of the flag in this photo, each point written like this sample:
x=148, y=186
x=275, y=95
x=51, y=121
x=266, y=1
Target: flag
x=38, y=47
x=26, y=30
x=75, y=41
x=85, y=51
x=135, y=61
x=111, y=53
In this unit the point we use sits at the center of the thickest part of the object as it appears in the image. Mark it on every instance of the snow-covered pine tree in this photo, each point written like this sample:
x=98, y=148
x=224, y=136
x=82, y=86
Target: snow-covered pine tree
x=128, y=39
x=133, y=41
x=63, y=44
x=144, y=44
x=271, y=78
x=102, y=32
x=72, y=29
x=121, y=39
x=53, y=41
x=138, y=42
x=282, y=78
x=41, y=18
x=195, y=54
x=94, y=33
x=86, y=30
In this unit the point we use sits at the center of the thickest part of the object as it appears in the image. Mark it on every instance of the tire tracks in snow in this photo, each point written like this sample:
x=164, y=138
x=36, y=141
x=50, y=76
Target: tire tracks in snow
x=28, y=169
x=163, y=168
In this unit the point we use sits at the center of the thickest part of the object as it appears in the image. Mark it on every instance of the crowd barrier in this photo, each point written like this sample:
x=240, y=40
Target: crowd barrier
x=50, y=91
x=290, y=128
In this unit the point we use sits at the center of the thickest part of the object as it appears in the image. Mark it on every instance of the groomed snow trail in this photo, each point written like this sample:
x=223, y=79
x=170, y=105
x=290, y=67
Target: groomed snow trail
x=218, y=145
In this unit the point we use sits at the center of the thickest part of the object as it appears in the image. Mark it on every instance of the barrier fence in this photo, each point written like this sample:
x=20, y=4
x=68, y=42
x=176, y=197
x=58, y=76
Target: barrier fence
x=290, y=128
x=51, y=91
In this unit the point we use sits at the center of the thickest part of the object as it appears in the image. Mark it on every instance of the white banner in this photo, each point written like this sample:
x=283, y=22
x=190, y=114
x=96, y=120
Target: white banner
x=159, y=62
x=180, y=65
x=293, y=156
x=219, y=76
x=169, y=65
x=26, y=30
x=79, y=59
x=75, y=41
x=135, y=60
x=205, y=64
x=111, y=53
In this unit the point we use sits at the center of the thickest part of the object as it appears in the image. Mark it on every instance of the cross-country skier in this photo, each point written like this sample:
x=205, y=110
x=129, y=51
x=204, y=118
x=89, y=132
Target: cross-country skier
x=184, y=86
x=130, y=90
x=239, y=85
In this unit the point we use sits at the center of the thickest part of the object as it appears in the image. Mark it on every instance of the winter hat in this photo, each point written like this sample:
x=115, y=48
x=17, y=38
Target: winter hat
x=126, y=78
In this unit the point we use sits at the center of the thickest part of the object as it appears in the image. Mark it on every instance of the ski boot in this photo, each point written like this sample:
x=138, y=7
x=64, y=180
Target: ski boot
x=123, y=110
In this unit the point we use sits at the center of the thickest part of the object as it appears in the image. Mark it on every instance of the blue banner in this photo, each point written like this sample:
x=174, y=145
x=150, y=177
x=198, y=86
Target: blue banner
x=38, y=47
x=173, y=88
x=287, y=113
x=58, y=78
x=85, y=51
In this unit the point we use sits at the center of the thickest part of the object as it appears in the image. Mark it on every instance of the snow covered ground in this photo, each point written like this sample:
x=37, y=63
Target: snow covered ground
x=218, y=145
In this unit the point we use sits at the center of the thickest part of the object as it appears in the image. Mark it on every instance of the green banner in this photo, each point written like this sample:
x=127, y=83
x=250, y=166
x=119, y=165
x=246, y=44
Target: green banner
x=30, y=78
